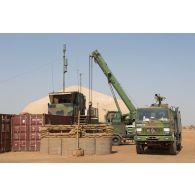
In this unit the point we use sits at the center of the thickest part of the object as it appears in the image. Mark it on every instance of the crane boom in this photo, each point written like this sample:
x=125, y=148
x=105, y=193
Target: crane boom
x=112, y=79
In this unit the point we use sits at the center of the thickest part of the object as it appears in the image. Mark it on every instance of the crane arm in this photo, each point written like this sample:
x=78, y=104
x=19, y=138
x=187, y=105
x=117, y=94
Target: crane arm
x=112, y=79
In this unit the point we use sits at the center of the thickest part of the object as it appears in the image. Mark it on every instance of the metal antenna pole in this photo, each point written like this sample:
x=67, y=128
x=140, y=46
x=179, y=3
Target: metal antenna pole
x=78, y=79
x=80, y=82
x=65, y=64
x=52, y=77
x=78, y=129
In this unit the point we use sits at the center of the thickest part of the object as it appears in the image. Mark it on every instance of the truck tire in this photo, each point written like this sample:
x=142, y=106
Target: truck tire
x=116, y=140
x=173, y=148
x=139, y=149
x=179, y=147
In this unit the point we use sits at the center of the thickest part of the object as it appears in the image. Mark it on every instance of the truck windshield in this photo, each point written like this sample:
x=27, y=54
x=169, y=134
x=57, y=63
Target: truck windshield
x=152, y=114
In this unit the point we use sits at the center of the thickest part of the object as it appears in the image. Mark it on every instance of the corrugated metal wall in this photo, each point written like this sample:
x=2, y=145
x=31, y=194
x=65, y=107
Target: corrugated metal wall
x=5, y=132
x=26, y=129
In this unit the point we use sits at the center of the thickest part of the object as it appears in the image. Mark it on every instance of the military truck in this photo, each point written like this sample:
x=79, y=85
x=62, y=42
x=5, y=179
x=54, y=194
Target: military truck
x=158, y=125
x=123, y=124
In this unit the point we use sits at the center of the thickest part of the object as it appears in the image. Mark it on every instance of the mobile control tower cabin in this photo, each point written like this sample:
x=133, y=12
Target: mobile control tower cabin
x=66, y=103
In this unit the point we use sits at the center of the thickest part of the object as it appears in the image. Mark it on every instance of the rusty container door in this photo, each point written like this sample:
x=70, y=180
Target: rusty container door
x=5, y=132
x=26, y=134
x=5, y=142
x=20, y=133
x=35, y=122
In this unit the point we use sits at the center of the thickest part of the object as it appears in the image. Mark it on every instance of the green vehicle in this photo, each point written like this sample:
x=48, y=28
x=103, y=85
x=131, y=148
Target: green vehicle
x=123, y=124
x=123, y=130
x=158, y=126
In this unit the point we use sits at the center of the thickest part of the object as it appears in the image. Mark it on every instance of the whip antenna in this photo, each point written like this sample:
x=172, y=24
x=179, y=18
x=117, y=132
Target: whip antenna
x=65, y=65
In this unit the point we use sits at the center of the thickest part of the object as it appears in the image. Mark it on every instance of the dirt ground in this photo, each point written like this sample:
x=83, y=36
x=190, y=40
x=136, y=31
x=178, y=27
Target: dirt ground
x=120, y=154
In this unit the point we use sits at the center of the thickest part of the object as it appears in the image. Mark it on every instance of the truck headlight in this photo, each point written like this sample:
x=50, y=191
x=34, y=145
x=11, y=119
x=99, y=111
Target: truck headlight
x=167, y=130
x=138, y=130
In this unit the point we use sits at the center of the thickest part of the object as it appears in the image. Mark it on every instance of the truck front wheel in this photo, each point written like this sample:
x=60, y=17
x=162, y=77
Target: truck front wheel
x=116, y=140
x=179, y=147
x=139, y=148
x=173, y=148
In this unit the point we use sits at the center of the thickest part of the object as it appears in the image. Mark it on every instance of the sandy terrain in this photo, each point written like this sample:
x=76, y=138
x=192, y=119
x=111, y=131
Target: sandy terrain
x=120, y=154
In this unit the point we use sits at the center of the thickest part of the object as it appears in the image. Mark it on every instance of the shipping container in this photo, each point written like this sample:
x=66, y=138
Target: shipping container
x=26, y=129
x=5, y=132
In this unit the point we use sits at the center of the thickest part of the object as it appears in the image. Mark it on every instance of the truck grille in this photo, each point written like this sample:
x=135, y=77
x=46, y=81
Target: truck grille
x=152, y=138
x=153, y=131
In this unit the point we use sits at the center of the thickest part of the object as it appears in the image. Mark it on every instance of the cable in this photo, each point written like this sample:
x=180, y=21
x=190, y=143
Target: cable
x=114, y=96
x=21, y=74
x=89, y=78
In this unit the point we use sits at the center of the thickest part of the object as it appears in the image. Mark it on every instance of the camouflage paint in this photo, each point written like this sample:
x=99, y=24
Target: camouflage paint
x=61, y=109
x=153, y=130
x=66, y=103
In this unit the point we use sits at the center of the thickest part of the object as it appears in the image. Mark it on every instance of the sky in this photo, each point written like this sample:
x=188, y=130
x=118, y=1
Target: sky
x=144, y=64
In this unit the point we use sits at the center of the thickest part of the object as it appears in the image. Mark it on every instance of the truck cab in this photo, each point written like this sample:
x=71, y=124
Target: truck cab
x=123, y=130
x=158, y=125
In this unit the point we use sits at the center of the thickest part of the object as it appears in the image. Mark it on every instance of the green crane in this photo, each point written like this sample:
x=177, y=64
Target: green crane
x=113, y=82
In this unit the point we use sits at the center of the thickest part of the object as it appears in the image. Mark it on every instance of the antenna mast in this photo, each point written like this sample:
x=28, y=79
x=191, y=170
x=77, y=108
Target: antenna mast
x=80, y=83
x=65, y=64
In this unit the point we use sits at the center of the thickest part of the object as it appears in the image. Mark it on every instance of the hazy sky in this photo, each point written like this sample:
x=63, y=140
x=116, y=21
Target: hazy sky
x=144, y=64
